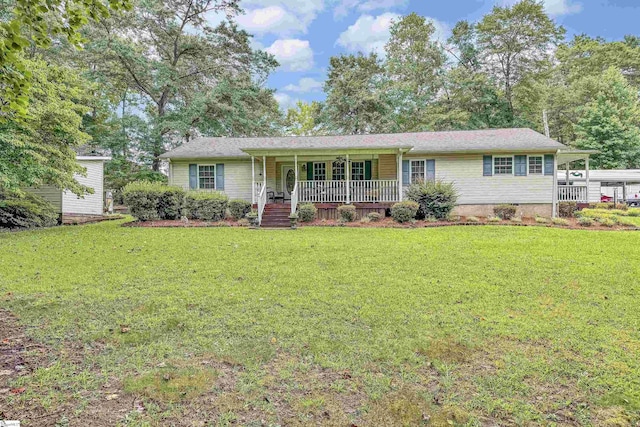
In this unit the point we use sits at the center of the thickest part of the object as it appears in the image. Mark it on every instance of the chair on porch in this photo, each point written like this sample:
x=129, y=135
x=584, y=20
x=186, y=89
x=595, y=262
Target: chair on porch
x=274, y=196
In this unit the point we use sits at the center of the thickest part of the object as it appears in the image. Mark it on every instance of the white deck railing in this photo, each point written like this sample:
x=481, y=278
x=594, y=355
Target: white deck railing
x=262, y=202
x=572, y=193
x=294, y=199
x=384, y=190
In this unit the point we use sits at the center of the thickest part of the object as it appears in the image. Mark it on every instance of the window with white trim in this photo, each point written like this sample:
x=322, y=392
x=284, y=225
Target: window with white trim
x=319, y=171
x=207, y=177
x=337, y=171
x=357, y=171
x=536, y=165
x=417, y=171
x=503, y=165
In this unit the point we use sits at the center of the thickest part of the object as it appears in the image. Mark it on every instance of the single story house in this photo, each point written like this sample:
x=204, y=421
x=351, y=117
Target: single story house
x=70, y=205
x=488, y=168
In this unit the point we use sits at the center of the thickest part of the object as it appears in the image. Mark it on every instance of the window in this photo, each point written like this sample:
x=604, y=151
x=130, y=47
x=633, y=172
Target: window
x=535, y=165
x=357, y=171
x=337, y=172
x=417, y=171
x=319, y=172
x=503, y=165
x=207, y=177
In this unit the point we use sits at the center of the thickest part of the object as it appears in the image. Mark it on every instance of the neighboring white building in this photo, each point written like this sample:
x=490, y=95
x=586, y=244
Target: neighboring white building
x=621, y=183
x=69, y=204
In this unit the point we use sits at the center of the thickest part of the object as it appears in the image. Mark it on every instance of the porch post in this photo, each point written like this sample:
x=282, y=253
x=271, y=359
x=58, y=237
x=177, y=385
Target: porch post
x=554, y=199
x=295, y=161
x=347, y=171
x=264, y=171
x=586, y=163
x=253, y=180
x=399, y=175
x=566, y=182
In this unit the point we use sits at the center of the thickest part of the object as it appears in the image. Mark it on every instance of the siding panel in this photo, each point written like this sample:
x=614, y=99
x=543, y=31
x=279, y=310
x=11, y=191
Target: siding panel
x=90, y=204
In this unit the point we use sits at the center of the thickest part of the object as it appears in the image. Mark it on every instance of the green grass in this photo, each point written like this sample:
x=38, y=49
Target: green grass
x=462, y=325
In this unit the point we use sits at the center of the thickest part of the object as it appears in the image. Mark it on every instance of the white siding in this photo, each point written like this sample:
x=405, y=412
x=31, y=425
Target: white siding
x=237, y=176
x=50, y=194
x=465, y=171
x=90, y=204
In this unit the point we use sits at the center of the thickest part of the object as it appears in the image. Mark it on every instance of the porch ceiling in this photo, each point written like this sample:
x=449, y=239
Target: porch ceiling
x=565, y=156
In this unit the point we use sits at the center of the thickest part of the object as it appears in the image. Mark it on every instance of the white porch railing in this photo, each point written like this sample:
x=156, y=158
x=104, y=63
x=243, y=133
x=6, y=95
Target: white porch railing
x=572, y=193
x=294, y=199
x=262, y=202
x=385, y=190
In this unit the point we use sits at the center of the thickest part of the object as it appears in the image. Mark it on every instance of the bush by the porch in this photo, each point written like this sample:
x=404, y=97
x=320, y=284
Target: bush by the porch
x=141, y=197
x=404, y=211
x=435, y=199
x=374, y=216
x=153, y=200
x=26, y=211
x=505, y=211
x=207, y=206
x=567, y=209
x=239, y=208
x=347, y=213
x=307, y=212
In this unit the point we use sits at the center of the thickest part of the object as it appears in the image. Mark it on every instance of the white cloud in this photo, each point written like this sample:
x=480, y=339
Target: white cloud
x=286, y=101
x=553, y=7
x=562, y=7
x=370, y=34
x=281, y=17
x=345, y=6
x=305, y=85
x=272, y=19
x=292, y=54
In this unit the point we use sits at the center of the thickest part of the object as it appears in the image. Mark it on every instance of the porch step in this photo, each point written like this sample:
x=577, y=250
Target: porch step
x=276, y=215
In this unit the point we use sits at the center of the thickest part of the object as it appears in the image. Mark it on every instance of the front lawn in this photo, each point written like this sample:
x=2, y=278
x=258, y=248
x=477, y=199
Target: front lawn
x=322, y=326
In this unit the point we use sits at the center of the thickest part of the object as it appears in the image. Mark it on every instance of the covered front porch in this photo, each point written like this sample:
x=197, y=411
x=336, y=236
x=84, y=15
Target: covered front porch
x=565, y=191
x=326, y=177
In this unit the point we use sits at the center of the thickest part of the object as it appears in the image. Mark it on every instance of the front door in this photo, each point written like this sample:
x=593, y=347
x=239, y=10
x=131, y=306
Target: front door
x=288, y=180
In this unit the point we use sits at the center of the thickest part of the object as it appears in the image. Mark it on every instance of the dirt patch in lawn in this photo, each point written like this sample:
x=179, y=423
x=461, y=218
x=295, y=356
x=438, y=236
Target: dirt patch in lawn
x=22, y=357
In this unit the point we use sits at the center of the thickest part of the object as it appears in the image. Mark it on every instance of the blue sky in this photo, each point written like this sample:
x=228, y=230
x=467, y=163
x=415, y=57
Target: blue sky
x=304, y=34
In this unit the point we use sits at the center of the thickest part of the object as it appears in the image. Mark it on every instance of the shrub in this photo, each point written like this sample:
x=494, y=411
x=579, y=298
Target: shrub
x=374, y=216
x=244, y=222
x=239, y=208
x=585, y=221
x=205, y=205
x=26, y=211
x=560, y=221
x=608, y=222
x=567, y=209
x=365, y=220
x=142, y=198
x=633, y=212
x=620, y=206
x=435, y=199
x=307, y=212
x=404, y=211
x=473, y=219
x=494, y=219
x=505, y=211
x=347, y=213
x=541, y=220
x=170, y=202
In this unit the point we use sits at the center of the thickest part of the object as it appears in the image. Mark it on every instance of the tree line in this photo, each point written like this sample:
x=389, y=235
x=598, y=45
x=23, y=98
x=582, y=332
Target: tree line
x=134, y=78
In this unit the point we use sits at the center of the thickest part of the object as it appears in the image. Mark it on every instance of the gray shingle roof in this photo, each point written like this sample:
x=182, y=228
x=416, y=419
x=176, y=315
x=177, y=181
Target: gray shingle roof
x=485, y=141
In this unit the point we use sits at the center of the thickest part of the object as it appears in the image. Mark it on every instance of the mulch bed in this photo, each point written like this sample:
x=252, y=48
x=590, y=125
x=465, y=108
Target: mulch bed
x=383, y=223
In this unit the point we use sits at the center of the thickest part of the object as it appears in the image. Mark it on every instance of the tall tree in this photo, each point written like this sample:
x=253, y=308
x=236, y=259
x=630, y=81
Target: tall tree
x=173, y=58
x=40, y=148
x=354, y=103
x=38, y=22
x=304, y=120
x=611, y=123
x=414, y=69
x=515, y=44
